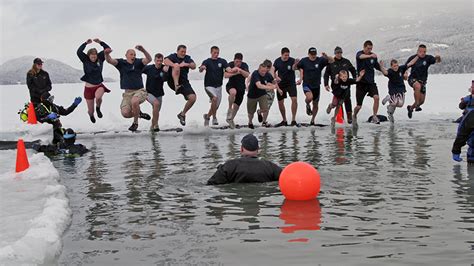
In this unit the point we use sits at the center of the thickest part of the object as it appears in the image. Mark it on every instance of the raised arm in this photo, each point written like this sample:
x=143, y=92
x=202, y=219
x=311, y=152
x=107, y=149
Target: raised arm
x=109, y=59
x=147, y=59
x=383, y=69
x=168, y=62
x=329, y=58
x=80, y=51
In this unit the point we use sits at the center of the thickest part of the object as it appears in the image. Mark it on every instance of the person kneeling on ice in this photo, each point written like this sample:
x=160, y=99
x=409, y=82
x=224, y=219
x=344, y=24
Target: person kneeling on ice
x=341, y=89
x=465, y=134
x=396, y=85
x=67, y=146
x=247, y=169
x=48, y=112
x=467, y=102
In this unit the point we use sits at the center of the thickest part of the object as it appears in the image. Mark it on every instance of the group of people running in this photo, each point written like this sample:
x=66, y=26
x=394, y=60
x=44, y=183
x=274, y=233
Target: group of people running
x=270, y=78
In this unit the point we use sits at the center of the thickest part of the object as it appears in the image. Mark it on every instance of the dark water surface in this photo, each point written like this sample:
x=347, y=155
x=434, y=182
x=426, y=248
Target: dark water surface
x=389, y=195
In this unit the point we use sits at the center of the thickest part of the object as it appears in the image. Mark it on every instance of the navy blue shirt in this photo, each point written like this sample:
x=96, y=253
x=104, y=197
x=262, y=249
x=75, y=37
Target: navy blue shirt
x=396, y=83
x=183, y=74
x=312, y=71
x=130, y=74
x=419, y=70
x=285, y=71
x=92, y=70
x=255, y=92
x=341, y=89
x=369, y=65
x=238, y=81
x=215, y=69
x=154, y=80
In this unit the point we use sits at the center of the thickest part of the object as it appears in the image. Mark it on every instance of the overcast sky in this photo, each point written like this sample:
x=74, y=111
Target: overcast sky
x=54, y=29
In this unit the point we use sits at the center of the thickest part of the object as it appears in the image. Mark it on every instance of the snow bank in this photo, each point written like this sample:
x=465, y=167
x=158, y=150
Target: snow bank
x=34, y=211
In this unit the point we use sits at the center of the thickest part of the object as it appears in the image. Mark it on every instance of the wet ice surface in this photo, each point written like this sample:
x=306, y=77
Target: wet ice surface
x=389, y=195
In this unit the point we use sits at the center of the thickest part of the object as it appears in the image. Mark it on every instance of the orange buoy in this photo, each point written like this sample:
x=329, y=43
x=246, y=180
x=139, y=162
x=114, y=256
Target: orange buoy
x=21, y=157
x=300, y=181
x=31, y=114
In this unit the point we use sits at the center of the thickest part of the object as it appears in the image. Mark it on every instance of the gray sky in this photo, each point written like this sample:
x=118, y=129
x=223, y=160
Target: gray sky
x=54, y=29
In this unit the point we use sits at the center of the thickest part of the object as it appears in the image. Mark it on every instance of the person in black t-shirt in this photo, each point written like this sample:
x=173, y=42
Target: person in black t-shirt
x=419, y=76
x=235, y=87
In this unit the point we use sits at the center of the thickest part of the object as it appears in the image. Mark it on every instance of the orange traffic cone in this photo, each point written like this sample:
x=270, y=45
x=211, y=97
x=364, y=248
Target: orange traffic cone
x=21, y=158
x=31, y=114
x=340, y=116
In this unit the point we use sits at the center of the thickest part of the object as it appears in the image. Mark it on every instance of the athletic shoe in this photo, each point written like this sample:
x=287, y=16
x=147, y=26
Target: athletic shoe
x=99, y=113
x=282, y=124
x=92, y=118
x=251, y=126
x=410, y=111
x=386, y=99
x=418, y=109
x=215, y=122
x=266, y=124
x=231, y=123
x=154, y=128
x=308, y=109
x=206, y=119
x=375, y=120
x=328, y=110
x=133, y=127
x=293, y=123
x=229, y=114
x=259, y=116
x=182, y=119
x=145, y=116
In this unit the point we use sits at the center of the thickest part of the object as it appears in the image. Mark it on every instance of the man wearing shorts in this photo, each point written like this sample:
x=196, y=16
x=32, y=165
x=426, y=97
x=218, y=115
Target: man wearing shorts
x=284, y=68
x=310, y=73
x=180, y=63
x=215, y=68
x=260, y=82
x=419, y=76
x=235, y=87
x=366, y=60
x=156, y=75
x=132, y=83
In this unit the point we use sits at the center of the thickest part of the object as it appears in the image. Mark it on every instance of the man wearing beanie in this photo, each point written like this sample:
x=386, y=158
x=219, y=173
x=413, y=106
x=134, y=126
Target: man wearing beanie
x=248, y=168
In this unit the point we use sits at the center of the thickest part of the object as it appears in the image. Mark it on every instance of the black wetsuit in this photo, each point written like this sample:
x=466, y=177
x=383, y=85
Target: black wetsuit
x=245, y=170
x=37, y=85
x=62, y=148
x=44, y=109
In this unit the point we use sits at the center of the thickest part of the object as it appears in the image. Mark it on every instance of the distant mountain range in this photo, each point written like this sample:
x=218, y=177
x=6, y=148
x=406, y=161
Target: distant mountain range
x=14, y=71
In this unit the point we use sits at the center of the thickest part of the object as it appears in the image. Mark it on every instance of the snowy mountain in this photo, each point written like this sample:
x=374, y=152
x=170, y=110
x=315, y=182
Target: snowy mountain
x=14, y=71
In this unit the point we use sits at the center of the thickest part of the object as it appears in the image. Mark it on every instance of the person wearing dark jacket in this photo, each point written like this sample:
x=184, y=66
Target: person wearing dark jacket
x=38, y=81
x=340, y=63
x=465, y=134
x=247, y=169
x=48, y=112
x=93, y=63
x=68, y=147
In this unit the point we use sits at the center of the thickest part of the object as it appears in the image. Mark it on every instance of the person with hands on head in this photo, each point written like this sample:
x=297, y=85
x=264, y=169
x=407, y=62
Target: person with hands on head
x=235, y=86
x=93, y=64
x=131, y=82
x=180, y=64
x=465, y=135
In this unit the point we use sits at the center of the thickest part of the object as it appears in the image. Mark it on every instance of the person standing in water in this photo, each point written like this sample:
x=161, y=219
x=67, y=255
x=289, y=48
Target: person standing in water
x=235, y=87
x=215, y=68
x=419, y=76
x=92, y=64
x=131, y=82
x=464, y=135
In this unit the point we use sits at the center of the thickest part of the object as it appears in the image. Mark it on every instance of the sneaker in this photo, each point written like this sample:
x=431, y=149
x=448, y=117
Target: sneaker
x=282, y=124
x=251, y=126
x=206, y=119
x=375, y=120
x=259, y=116
x=385, y=100
x=182, y=119
x=145, y=116
x=410, y=111
x=99, y=113
x=328, y=110
x=133, y=127
x=294, y=124
x=215, y=122
x=266, y=124
x=229, y=114
x=418, y=109
x=231, y=123
x=308, y=109
x=154, y=128
x=92, y=118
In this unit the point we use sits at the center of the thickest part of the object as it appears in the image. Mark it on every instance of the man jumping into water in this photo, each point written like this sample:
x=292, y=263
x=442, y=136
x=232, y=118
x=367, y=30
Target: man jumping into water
x=236, y=86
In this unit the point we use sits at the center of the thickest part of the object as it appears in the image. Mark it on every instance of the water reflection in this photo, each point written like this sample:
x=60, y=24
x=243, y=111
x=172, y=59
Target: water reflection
x=312, y=154
x=300, y=215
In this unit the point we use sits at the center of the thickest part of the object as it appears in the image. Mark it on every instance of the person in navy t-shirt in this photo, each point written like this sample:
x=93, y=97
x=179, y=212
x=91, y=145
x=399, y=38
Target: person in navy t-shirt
x=419, y=76
x=215, y=68
x=156, y=75
x=93, y=63
x=180, y=64
x=235, y=87
x=132, y=83
x=310, y=74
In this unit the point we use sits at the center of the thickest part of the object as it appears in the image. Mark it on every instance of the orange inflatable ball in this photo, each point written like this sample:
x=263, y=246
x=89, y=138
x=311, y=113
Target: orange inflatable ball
x=300, y=181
